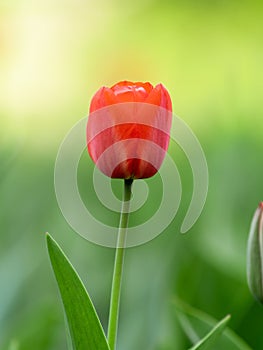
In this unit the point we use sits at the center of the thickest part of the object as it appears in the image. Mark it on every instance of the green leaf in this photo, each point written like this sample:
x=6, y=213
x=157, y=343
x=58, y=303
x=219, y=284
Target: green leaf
x=210, y=339
x=196, y=323
x=83, y=323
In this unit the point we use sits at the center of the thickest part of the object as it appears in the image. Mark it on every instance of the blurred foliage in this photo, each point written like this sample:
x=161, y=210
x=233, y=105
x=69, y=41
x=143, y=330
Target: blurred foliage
x=53, y=57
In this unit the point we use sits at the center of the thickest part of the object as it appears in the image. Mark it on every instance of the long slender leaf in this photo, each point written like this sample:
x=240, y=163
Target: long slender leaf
x=84, y=325
x=192, y=320
x=210, y=339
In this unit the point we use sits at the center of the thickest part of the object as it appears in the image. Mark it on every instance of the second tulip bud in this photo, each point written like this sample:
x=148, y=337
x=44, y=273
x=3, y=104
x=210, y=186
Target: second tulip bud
x=255, y=255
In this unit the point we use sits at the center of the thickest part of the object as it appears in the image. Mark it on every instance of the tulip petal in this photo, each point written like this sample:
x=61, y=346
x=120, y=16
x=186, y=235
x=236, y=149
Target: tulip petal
x=133, y=121
x=127, y=91
x=103, y=97
x=159, y=96
x=166, y=99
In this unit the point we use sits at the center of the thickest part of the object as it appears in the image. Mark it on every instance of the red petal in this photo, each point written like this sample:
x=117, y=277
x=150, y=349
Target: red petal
x=127, y=91
x=129, y=140
x=160, y=97
x=103, y=97
x=166, y=99
x=155, y=97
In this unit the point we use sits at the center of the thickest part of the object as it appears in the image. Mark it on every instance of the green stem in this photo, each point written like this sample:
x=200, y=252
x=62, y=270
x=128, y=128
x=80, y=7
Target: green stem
x=118, y=266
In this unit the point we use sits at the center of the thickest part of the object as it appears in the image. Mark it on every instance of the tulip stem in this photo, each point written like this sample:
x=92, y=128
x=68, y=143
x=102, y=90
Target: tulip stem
x=118, y=266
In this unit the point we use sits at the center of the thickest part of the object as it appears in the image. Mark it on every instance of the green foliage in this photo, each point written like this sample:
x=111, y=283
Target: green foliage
x=196, y=323
x=210, y=339
x=83, y=323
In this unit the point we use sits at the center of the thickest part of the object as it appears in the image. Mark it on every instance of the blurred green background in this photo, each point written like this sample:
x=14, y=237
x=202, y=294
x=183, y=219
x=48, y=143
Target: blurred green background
x=53, y=56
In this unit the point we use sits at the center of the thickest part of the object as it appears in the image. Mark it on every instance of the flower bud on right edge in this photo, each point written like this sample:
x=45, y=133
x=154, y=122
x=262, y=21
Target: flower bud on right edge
x=255, y=255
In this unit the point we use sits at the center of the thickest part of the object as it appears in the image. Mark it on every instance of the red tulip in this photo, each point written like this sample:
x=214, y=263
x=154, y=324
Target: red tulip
x=128, y=129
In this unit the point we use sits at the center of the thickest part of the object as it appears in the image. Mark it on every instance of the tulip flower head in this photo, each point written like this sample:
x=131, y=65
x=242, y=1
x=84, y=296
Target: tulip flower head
x=128, y=129
x=255, y=255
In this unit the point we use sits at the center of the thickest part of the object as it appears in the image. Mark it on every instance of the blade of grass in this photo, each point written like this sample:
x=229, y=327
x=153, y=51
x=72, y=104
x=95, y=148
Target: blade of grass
x=230, y=336
x=210, y=339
